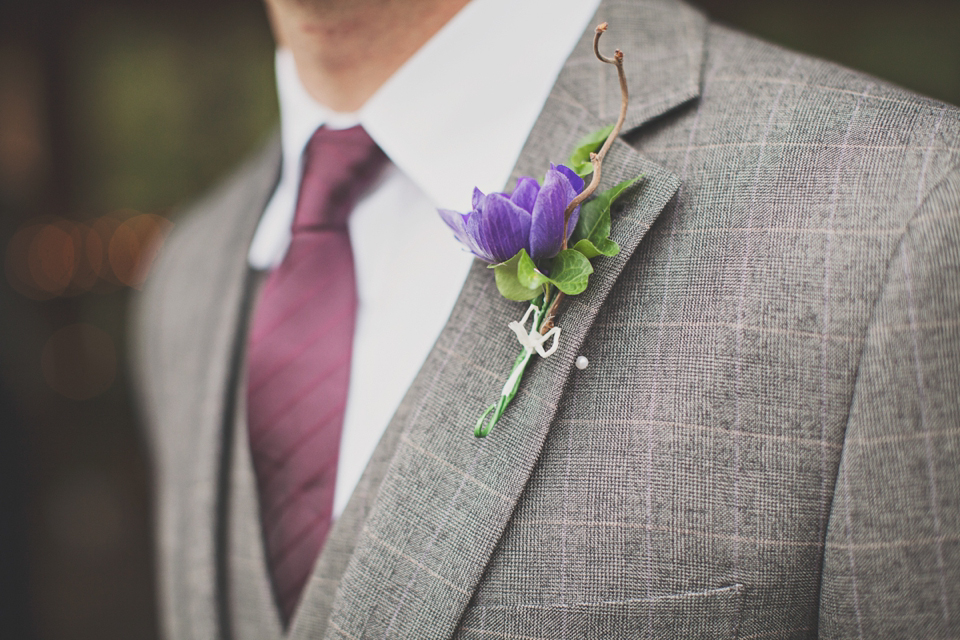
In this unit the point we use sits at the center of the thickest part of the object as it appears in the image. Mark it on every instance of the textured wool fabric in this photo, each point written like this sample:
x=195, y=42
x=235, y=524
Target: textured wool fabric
x=765, y=443
x=301, y=340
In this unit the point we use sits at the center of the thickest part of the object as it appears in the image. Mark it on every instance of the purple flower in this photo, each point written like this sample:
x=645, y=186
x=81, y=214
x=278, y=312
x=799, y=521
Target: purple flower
x=530, y=218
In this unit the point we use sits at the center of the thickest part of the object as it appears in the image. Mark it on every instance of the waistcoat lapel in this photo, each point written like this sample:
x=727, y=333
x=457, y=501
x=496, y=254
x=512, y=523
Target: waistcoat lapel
x=414, y=541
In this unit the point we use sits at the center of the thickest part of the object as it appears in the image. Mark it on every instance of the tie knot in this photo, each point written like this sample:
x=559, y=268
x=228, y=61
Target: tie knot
x=339, y=165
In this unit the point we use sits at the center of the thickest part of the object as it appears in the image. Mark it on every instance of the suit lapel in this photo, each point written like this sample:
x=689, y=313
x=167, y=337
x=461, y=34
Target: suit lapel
x=421, y=542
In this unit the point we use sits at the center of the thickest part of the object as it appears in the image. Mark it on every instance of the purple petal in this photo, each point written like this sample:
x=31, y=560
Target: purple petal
x=575, y=181
x=525, y=193
x=500, y=228
x=477, y=198
x=460, y=223
x=546, y=229
x=574, y=218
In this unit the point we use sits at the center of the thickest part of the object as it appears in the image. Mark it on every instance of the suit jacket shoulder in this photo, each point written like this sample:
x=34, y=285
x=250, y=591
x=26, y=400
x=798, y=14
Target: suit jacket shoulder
x=181, y=292
x=184, y=329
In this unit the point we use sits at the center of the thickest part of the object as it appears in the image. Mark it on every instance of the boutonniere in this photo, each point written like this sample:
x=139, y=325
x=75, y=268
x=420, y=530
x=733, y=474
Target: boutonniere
x=539, y=240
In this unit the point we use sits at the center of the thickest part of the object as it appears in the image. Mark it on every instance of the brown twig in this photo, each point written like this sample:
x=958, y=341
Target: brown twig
x=595, y=158
x=551, y=313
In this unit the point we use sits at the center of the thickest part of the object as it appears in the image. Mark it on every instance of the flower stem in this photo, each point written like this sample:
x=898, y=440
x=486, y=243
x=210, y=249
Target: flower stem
x=551, y=312
x=485, y=424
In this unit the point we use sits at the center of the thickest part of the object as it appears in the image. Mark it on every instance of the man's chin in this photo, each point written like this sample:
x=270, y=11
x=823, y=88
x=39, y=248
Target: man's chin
x=326, y=9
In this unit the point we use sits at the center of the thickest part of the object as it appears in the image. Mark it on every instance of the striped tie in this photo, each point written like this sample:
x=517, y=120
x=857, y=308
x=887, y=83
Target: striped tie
x=299, y=353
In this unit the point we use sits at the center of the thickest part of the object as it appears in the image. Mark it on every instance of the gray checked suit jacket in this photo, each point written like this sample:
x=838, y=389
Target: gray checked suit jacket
x=766, y=443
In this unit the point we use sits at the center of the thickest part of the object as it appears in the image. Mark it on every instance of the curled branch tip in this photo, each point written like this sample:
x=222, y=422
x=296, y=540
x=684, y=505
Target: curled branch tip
x=595, y=158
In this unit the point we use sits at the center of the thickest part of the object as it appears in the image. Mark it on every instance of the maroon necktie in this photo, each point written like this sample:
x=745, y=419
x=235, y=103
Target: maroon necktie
x=299, y=354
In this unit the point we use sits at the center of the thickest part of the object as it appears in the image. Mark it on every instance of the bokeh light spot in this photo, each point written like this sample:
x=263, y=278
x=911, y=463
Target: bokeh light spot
x=85, y=275
x=124, y=253
x=53, y=258
x=17, y=264
x=104, y=228
x=135, y=245
x=95, y=251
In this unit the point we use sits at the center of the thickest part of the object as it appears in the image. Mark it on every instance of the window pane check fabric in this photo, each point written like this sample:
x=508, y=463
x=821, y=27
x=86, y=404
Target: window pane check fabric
x=299, y=359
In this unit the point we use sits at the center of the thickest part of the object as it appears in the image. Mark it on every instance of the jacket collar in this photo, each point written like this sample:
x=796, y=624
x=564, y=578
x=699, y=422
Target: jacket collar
x=663, y=42
x=412, y=546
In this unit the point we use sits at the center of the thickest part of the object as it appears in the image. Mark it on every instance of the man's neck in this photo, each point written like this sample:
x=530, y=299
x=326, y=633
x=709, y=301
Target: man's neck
x=346, y=49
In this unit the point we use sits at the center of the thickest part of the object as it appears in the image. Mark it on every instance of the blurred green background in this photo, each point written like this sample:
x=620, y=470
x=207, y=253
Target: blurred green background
x=114, y=113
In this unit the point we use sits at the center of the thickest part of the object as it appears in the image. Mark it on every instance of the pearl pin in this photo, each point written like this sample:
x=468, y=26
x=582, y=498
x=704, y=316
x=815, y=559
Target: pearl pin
x=582, y=362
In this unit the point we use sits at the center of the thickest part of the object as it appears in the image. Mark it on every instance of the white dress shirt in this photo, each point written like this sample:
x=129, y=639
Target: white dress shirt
x=453, y=117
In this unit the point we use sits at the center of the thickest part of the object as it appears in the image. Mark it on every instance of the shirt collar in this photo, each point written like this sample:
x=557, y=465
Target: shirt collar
x=454, y=116
x=457, y=113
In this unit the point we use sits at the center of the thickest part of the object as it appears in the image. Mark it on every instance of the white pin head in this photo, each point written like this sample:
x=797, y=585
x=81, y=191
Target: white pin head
x=582, y=362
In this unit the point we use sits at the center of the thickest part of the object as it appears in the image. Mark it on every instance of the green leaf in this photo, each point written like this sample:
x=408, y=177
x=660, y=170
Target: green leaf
x=602, y=203
x=607, y=248
x=587, y=248
x=594, y=221
x=591, y=237
x=569, y=271
x=580, y=158
x=615, y=192
x=508, y=281
x=527, y=272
